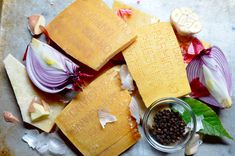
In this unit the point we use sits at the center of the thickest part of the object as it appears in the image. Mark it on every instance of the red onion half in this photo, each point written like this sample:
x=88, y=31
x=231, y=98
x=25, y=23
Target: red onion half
x=49, y=70
x=209, y=71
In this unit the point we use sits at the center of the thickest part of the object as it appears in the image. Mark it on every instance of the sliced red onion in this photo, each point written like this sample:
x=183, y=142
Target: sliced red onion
x=212, y=70
x=49, y=70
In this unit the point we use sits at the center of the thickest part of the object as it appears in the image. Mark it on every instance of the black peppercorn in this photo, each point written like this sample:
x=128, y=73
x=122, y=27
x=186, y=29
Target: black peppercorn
x=168, y=127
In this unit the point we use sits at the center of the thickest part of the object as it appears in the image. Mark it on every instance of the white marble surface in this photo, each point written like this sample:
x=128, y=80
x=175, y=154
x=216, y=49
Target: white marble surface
x=218, y=29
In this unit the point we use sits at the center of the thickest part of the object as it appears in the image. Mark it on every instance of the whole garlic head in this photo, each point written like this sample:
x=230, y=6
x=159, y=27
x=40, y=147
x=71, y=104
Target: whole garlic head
x=185, y=21
x=34, y=21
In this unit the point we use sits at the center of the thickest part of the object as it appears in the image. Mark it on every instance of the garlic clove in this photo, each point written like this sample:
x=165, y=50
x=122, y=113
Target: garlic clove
x=193, y=145
x=34, y=21
x=39, y=112
x=38, y=109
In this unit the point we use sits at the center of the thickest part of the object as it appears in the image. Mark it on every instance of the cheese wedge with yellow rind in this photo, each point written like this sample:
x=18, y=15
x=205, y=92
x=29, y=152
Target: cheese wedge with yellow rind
x=137, y=18
x=25, y=92
x=90, y=32
x=156, y=63
x=79, y=121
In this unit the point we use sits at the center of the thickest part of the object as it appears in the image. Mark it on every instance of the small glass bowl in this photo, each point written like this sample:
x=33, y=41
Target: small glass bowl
x=173, y=104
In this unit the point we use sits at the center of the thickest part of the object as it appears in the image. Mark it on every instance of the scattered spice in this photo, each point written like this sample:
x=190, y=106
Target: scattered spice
x=124, y=12
x=168, y=127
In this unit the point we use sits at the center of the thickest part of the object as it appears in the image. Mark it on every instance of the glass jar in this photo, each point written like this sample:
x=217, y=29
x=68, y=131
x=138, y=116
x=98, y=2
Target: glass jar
x=173, y=104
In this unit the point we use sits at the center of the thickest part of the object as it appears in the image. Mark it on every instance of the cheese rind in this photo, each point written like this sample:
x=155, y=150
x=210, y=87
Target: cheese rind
x=156, y=64
x=90, y=32
x=25, y=92
x=79, y=121
x=137, y=19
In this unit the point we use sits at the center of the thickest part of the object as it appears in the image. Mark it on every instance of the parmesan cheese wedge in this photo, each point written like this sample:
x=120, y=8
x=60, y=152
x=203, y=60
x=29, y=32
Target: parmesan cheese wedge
x=25, y=92
x=90, y=32
x=156, y=64
x=137, y=18
x=80, y=122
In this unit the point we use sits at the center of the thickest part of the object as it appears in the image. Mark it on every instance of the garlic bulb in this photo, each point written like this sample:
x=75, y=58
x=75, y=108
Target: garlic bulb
x=185, y=21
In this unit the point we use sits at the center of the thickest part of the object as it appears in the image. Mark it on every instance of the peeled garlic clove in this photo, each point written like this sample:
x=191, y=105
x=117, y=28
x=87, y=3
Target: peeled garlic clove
x=34, y=21
x=192, y=147
x=185, y=21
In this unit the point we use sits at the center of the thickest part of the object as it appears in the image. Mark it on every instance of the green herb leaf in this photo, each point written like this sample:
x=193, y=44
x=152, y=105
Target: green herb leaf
x=211, y=122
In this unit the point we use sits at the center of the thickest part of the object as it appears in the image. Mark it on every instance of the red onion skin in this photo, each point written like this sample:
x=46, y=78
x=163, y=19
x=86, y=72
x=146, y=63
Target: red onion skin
x=193, y=50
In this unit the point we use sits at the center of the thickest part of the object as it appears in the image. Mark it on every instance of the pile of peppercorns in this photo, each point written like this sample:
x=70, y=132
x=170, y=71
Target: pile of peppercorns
x=168, y=127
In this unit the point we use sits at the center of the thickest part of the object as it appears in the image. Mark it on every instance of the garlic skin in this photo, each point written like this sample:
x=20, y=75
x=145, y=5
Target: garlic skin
x=217, y=87
x=34, y=21
x=105, y=117
x=9, y=117
x=126, y=79
x=193, y=145
x=134, y=109
x=45, y=143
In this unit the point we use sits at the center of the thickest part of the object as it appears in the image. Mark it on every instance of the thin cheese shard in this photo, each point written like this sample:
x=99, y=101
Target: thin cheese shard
x=90, y=32
x=156, y=64
x=25, y=92
x=137, y=18
x=79, y=121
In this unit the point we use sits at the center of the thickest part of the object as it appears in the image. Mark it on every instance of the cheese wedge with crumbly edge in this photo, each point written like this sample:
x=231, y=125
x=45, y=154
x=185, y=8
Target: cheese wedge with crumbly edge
x=90, y=32
x=25, y=92
x=79, y=121
x=156, y=64
x=137, y=18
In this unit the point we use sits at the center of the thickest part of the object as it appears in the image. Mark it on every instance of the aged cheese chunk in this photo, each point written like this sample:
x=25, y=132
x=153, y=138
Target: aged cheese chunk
x=25, y=92
x=138, y=18
x=90, y=32
x=156, y=64
x=79, y=121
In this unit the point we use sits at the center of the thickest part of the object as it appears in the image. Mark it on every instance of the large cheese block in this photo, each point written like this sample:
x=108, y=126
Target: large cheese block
x=90, y=32
x=79, y=121
x=137, y=19
x=25, y=92
x=156, y=64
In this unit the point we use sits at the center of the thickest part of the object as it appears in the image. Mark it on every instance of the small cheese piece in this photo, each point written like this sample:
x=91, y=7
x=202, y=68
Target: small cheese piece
x=137, y=18
x=80, y=122
x=39, y=112
x=25, y=92
x=90, y=32
x=156, y=64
